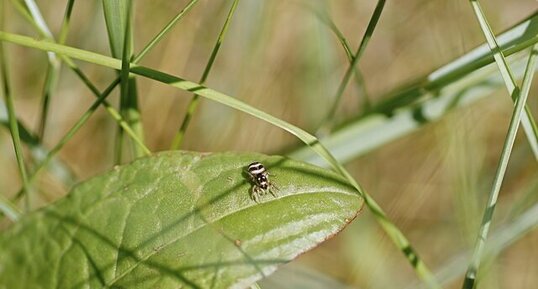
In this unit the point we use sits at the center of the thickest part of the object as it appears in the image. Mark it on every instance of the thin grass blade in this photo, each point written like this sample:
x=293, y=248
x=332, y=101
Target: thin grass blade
x=42, y=30
x=328, y=122
x=193, y=104
x=458, y=83
x=521, y=98
x=528, y=122
x=53, y=65
x=46, y=156
x=13, y=127
x=38, y=152
x=359, y=79
x=119, y=23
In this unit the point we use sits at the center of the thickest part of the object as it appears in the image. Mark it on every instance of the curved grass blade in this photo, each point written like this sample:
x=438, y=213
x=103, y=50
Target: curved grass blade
x=193, y=104
x=392, y=231
x=177, y=219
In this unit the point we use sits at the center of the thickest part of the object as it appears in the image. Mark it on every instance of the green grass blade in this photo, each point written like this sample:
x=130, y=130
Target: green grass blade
x=37, y=150
x=528, y=122
x=67, y=20
x=101, y=100
x=193, y=104
x=51, y=80
x=116, y=19
x=521, y=98
x=70, y=133
x=112, y=111
x=43, y=31
x=359, y=79
x=60, y=170
x=119, y=24
x=34, y=19
x=13, y=127
x=155, y=40
x=458, y=83
x=517, y=38
x=125, y=56
x=49, y=155
x=53, y=65
x=392, y=231
x=328, y=122
x=32, y=8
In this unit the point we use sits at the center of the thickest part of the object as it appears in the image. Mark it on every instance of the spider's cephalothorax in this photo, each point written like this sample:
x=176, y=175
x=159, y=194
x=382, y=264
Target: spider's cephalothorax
x=260, y=178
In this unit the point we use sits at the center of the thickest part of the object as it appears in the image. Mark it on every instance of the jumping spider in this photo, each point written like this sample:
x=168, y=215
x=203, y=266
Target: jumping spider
x=260, y=179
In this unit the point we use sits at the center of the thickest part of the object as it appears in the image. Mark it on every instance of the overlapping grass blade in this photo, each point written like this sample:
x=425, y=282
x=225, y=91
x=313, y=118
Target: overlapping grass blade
x=193, y=104
x=393, y=232
x=528, y=122
x=37, y=150
x=460, y=82
x=519, y=109
x=359, y=79
x=12, y=119
x=53, y=64
x=119, y=26
x=328, y=122
x=49, y=156
x=111, y=110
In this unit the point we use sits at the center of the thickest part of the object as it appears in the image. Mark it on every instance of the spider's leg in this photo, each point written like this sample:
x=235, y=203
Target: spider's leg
x=255, y=194
x=273, y=190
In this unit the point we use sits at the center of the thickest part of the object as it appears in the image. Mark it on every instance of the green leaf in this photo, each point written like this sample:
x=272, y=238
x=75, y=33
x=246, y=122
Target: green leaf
x=177, y=219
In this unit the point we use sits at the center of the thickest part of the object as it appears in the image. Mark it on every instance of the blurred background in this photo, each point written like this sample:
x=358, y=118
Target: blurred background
x=280, y=57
